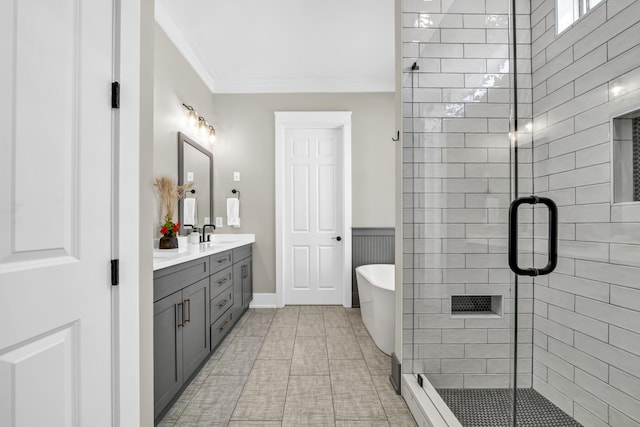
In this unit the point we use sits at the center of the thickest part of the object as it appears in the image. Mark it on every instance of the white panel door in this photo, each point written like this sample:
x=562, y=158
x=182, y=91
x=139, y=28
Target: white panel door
x=55, y=291
x=314, y=216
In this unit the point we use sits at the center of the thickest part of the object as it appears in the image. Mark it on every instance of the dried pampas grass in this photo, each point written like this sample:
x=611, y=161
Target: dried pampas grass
x=169, y=194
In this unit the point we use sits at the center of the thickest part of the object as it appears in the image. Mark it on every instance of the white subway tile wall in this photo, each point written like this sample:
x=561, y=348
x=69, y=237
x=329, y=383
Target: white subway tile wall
x=458, y=189
x=582, y=362
x=579, y=328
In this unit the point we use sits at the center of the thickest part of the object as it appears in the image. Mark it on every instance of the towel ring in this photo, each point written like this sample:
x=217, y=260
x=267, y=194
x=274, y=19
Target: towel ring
x=234, y=191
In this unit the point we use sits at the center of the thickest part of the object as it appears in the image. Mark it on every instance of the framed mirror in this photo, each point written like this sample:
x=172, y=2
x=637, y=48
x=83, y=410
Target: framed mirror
x=195, y=164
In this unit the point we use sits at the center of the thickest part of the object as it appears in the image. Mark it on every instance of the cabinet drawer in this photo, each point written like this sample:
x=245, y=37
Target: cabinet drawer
x=221, y=328
x=172, y=279
x=241, y=253
x=220, y=261
x=221, y=303
x=219, y=281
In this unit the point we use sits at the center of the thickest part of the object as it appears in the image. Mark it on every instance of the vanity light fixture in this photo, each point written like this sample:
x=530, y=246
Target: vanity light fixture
x=203, y=126
x=195, y=120
x=192, y=117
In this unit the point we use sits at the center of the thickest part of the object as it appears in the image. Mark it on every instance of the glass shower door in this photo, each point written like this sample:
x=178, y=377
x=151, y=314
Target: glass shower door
x=458, y=184
x=561, y=121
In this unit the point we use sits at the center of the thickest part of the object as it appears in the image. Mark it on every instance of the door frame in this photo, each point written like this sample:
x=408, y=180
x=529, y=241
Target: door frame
x=307, y=120
x=132, y=299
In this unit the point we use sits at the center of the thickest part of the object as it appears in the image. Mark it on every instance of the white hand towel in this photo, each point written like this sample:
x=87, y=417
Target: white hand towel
x=190, y=214
x=233, y=212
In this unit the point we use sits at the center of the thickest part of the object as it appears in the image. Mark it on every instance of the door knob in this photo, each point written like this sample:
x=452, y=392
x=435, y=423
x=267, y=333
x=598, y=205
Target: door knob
x=337, y=238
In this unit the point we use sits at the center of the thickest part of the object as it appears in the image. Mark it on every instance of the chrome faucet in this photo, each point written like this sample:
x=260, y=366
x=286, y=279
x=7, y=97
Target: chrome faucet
x=204, y=227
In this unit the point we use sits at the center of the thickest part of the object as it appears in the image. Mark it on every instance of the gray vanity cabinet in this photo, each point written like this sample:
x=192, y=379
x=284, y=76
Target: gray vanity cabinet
x=180, y=327
x=237, y=292
x=196, y=304
x=242, y=280
x=167, y=335
x=222, y=298
x=247, y=282
x=195, y=333
x=180, y=339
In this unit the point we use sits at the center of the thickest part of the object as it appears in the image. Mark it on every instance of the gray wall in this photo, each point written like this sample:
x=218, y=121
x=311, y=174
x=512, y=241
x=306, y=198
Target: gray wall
x=587, y=313
x=246, y=144
x=175, y=82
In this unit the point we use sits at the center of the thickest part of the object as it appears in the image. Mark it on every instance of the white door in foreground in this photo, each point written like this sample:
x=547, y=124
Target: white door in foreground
x=314, y=216
x=55, y=173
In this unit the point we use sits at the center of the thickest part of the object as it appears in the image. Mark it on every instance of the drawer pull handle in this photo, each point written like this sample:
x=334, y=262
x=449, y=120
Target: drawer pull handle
x=221, y=260
x=223, y=303
x=223, y=281
x=224, y=325
x=188, y=319
x=180, y=308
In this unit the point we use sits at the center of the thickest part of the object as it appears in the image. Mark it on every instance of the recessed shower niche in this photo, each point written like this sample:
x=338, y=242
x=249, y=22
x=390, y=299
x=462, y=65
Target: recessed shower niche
x=626, y=157
x=476, y=305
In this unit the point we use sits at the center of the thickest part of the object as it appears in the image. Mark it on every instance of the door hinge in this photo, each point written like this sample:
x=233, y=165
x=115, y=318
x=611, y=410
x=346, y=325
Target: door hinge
x=420, y=380
x=115, y=95
x=115, y=272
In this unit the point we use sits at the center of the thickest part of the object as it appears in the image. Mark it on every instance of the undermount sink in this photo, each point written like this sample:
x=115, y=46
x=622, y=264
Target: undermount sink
x=223, y=240
x=218, y=239
x=164, y=253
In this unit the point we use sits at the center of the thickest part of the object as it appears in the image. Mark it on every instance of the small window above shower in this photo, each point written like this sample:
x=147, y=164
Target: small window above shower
x=569, y=11
x=626, y=158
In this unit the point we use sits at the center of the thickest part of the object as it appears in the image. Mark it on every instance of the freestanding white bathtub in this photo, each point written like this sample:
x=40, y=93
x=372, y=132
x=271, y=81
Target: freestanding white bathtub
x=376, y=289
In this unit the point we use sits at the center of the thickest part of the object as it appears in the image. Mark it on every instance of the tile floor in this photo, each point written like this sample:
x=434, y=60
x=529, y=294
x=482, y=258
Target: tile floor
x=294, y=366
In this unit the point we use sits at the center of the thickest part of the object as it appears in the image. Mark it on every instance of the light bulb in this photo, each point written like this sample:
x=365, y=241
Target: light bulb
x=212, y=134
x=193, y=118
x=202, y=126
x=192, y=115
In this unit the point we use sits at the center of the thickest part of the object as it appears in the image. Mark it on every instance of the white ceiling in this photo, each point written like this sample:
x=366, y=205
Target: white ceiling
x=273, y=46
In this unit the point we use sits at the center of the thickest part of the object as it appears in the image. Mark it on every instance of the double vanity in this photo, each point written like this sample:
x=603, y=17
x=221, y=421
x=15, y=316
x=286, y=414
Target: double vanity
x=199, y=295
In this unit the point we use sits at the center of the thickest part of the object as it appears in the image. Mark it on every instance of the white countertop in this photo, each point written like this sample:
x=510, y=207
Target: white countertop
x=220, y=242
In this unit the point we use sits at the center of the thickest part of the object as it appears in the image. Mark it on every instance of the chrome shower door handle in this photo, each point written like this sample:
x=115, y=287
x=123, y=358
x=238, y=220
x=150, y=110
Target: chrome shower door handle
x=552, y=257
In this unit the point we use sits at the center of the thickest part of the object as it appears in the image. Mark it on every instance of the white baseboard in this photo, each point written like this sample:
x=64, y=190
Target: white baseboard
x=264, y=301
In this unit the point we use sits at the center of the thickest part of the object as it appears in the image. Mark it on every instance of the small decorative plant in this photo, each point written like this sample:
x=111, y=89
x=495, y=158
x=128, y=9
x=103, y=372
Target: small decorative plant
x=169, y=194
x=169, y=228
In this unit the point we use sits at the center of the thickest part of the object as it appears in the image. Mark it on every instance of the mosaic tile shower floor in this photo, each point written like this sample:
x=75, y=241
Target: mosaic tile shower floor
x=492, y=408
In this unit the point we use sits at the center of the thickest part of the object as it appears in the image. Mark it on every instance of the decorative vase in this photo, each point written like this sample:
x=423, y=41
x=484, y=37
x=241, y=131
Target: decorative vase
x=168, y=242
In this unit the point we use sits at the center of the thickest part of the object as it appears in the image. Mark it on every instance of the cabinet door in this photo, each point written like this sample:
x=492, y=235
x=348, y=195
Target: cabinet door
x=167, y=350
x=237, y=291
x=195, y=334
x=247, y=283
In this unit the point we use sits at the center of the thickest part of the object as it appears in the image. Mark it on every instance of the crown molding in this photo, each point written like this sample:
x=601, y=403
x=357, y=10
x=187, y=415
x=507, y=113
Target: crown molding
x=191, y=54
x=307, y=85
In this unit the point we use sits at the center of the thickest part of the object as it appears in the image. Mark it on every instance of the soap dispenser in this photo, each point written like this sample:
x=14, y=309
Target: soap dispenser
x=194, y=237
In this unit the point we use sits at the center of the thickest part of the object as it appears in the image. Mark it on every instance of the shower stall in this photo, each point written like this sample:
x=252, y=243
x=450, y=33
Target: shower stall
x=521, y=212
